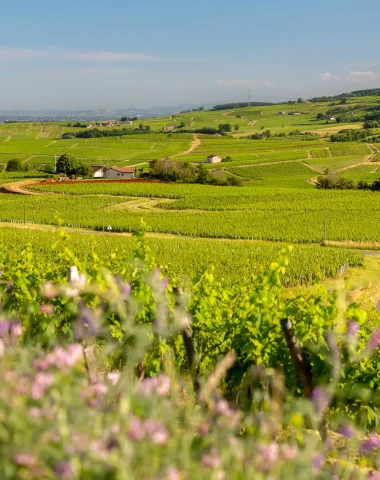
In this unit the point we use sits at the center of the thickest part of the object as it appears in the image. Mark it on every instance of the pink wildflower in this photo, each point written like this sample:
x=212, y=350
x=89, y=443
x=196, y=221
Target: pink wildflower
x=172, y=473
x=136, y=430
x=49, y=291
x=321, y=399
x=159, y=385
x=113, y=377
x=42, y=381
x=370, y=443
x=62, y=358
x=47, y=309
x=288, y=452
x=64, y=470
x=156, y=431
x=374, y=341
x=25, y=460
x=212, y=460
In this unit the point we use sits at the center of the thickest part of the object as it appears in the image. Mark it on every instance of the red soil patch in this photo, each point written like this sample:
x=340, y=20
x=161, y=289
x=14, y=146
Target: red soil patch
x=50, y=181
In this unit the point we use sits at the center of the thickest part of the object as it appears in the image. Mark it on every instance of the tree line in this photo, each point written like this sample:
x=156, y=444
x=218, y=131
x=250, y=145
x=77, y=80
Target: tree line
x=334, y=182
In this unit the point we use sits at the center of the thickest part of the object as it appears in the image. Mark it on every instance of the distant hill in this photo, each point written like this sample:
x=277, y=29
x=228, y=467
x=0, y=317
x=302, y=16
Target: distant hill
x=357, y=93
x=229, y=106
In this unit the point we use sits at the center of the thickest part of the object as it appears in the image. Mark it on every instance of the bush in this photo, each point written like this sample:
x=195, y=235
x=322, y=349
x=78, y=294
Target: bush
x=15, y=165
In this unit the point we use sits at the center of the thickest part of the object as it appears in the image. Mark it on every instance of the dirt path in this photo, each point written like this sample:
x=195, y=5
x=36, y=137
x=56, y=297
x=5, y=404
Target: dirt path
x=252, y=122
x=364, y=161
x=195, y=144
x=311, y=167
x=16, y=188
x=263, y=164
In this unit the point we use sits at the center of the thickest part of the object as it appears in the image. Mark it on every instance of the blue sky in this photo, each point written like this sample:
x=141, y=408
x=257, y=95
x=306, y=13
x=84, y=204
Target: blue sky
x=118, y=54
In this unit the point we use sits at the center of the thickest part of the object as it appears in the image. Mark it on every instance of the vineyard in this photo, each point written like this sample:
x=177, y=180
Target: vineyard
x=209, y=329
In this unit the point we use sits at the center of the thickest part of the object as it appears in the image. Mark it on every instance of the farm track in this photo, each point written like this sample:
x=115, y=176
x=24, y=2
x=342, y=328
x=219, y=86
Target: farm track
x=365, y=161
x=16, y=188
x=197, y=142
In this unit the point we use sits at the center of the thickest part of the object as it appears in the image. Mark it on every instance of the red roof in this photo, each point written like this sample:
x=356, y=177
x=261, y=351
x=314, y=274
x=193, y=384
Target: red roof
x=124, y=169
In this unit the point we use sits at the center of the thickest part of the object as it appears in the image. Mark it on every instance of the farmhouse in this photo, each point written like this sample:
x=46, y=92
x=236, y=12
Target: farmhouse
x=168, y=128
x=119, y=172
x=98, y=170
x=213, y=159
x=127, y=122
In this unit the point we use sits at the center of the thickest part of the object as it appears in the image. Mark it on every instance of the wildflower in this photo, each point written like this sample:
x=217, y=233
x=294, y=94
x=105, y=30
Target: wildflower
x=268, y=453
x=172, y=473
x=204, y=429
x=99, y=389
x=35, y=412
x=212, y=460
x=2, y=348
x=352, y=328
x=288, y=452
x=136, y=430
x=320, y=399
x=374, y=341
x=62, y=358
x=25, y=460
x=156, y=431
x=347, y=431
x=64, y=470
x=159, y=384
x=87, y=324
x=42, y=381
x=317, y=463
x=113, y=377
x=370, y=443
x=47, y=309
x=374, y=476
x=10, y=330
x=49, y=291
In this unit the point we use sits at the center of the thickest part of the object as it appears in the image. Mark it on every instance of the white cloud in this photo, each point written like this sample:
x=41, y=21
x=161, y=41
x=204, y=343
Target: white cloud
x=235, y=83
x=369, y=75
x=326, y=76
x=337, y=78
x=269, y=84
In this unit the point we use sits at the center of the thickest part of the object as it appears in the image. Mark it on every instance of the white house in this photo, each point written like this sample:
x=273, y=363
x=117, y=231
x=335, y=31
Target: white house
x=128, y=122
x=119, y=172
x=98, y=170
x=213, y=159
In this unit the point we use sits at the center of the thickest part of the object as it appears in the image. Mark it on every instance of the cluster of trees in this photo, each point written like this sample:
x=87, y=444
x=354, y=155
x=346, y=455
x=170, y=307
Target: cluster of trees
x=199, y=109
x=228, y=106
x=172, y=171
x=334, y=182
x=71, y=166
x=372, y=124
x=131, y=119
x=96, y=133
x=77, y=125
x=351, y=135
x=16, y=165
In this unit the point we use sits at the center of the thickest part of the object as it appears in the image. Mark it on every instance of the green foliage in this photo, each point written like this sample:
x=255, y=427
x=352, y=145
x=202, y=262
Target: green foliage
x=15, y=165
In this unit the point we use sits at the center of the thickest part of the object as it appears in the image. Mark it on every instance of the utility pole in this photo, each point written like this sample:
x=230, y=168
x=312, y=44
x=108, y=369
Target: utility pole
x=249, y=98
x=103, y=214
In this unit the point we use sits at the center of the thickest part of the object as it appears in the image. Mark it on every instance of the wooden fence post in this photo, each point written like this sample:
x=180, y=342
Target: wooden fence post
x=188, y=342
x=302, y=368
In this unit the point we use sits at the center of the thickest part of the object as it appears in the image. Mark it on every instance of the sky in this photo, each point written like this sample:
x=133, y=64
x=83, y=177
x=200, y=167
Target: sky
x=89, y=54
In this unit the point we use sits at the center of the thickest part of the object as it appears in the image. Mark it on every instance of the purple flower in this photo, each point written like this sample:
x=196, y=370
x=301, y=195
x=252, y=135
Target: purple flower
x=374, y=341
x=347, y=431
x=10, y=330
x=64, y=470
x=87, y=324
x=321, y=399
x=42, y=381
x=374, y=476
x=352, y=328
x=318, y=461
x=368, y=444
x=212, y=460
